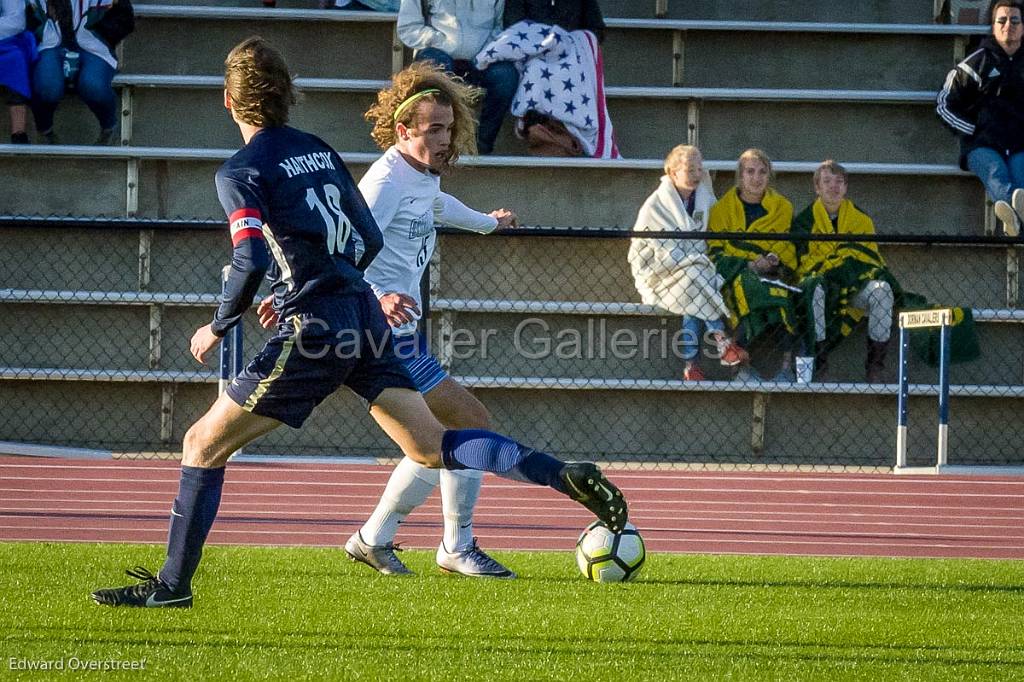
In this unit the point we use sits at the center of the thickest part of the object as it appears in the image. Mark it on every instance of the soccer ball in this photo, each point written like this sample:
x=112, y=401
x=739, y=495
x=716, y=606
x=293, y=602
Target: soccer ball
x=607, y=557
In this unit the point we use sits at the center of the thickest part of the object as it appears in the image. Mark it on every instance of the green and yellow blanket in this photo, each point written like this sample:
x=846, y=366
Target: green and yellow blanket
x=845, y=267
x=755, y=303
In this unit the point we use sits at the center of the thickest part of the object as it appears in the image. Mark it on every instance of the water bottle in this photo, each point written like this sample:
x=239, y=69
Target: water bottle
x=406, y=329
x=409, y=327
x=71, y=65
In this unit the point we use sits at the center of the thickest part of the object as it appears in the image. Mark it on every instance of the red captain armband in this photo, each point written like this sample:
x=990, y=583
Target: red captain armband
x=246, y=223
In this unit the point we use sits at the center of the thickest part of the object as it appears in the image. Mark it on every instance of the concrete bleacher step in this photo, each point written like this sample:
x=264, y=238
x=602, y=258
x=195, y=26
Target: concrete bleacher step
x=636, y=51
x=594, y=343
x=314, y=42
x=597, y=348
x=863, y=11
x=177, y=183
x=648, y=121
x=676, y=425
x=152, y=416
x=581, y=269
x=852, y=11
x=516, y=268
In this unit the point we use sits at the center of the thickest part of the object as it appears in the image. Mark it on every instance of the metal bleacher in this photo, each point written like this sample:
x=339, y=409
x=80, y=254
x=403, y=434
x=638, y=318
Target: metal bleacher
x=676, y=72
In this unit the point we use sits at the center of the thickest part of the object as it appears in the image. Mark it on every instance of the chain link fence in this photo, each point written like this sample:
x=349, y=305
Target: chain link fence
x=659, y=349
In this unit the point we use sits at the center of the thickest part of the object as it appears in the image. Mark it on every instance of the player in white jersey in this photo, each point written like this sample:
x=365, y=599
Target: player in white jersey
x=423, y=122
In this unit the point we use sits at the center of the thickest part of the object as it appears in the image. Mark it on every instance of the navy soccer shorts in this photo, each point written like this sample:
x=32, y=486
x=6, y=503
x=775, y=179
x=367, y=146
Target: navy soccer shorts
x=311, y=356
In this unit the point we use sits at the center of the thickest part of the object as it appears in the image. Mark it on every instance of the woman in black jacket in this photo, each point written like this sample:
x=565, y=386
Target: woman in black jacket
x=572, y=15
x=983, y=102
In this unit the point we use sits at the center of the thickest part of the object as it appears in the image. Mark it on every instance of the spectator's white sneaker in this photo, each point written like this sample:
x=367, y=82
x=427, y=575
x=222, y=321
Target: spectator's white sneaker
x=1017, y=200
x=1006, y=214
x=473, y=562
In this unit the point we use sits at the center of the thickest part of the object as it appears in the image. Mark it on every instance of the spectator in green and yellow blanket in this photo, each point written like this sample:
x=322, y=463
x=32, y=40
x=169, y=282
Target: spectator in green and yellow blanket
x=856, y=282
x=758, y=275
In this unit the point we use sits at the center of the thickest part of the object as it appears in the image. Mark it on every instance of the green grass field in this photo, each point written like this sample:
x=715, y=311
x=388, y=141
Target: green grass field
x=312, y=614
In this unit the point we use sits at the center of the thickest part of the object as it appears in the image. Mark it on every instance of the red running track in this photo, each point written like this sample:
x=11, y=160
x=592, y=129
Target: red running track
x=834, y=514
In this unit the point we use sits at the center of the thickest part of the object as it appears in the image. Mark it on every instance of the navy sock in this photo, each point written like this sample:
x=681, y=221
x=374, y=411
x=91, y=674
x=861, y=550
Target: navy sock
x=489, y=451
x=192, y=515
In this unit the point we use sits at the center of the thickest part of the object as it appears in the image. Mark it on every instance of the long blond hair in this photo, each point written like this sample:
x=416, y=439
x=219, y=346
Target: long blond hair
x=451, y=91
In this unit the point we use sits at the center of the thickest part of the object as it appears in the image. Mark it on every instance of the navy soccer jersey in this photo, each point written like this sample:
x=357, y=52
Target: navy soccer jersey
x=294, y=208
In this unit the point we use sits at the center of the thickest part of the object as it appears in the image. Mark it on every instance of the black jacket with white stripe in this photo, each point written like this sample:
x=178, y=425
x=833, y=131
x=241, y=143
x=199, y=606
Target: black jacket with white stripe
x=982, y=100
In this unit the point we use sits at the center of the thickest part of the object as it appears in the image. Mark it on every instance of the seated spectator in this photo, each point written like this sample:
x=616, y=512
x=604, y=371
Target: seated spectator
x=559, y=105
x=983, y=102
x=856, y=280
x=676, y=275
x=756, y=274
x=76, y=49
x=17, y=50
x=572, y=15
x=451, y=36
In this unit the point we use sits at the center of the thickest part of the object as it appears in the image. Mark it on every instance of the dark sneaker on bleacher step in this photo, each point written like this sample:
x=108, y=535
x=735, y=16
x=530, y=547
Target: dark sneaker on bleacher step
x=151, y=593
x=588, y=486
x=381, y=558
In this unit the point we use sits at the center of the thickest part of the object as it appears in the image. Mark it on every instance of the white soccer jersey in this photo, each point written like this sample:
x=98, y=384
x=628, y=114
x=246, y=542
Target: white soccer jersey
x=407, y=204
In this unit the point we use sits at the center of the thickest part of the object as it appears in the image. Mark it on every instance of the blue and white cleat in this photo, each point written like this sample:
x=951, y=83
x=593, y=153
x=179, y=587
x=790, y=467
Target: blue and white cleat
x=381, y=558
x=473, y=562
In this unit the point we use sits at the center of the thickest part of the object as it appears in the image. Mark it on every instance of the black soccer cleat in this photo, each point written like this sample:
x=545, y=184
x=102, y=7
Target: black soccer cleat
x=150, y=593
x=588, y=486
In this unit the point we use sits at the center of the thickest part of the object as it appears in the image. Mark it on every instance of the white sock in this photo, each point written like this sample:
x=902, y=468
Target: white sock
x=409, y=486
x=459, y=492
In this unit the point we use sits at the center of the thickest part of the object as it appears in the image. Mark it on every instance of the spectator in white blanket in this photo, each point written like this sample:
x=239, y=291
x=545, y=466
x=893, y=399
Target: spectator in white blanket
x=451, y=34
x=676, y=275
x=572, y=15
x=983, y=102
x=16, y=54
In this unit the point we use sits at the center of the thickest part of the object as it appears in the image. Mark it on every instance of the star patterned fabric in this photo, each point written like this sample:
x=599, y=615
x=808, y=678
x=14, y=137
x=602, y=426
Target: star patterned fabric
x=561, y=74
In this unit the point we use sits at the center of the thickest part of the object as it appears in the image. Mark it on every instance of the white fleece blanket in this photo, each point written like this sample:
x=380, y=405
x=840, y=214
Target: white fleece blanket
x=675, y=274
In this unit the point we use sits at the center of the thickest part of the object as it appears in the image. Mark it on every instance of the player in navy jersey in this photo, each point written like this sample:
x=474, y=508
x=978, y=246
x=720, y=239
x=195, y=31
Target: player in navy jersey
x=292, y=203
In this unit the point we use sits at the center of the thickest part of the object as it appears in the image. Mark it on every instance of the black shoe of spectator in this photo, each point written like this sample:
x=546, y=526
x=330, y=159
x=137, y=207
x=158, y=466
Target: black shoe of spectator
x=270, y=3
x=106, y=135
x=19, y=138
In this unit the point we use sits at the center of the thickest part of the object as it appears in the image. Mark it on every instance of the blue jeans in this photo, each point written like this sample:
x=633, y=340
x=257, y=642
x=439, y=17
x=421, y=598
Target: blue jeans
x=999, y=174
x=499, y=80
x=93, y=86
x=691, y=334
x=373, y=5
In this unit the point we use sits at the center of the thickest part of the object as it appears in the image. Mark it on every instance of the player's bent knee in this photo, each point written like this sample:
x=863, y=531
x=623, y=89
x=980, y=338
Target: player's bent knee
x=199, y=448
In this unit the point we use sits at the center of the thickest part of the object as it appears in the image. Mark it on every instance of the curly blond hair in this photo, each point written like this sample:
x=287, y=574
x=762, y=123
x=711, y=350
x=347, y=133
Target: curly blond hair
x=452, y=91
